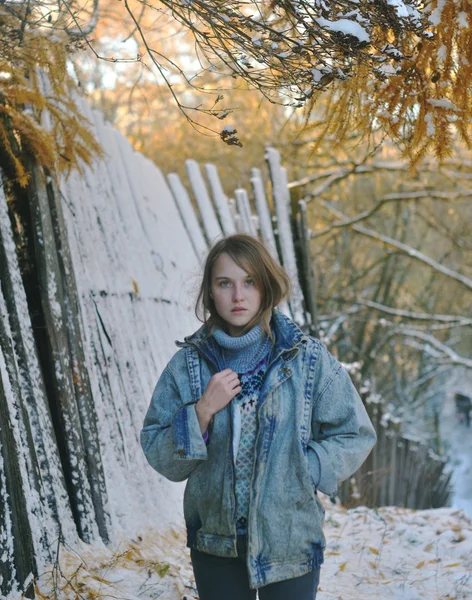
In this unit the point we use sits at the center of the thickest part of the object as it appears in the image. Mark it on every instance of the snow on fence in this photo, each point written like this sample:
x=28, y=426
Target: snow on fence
x=97, y=276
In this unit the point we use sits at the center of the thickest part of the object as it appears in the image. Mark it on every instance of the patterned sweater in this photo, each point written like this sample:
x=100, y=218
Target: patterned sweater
x=248, y=356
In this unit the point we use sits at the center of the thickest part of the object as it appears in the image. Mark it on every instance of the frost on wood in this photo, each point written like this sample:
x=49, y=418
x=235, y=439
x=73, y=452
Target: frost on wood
x=136, y=270
x=210, y=222
x=282, y=209
x=265, y=224
x=244, y=210
x=265, y=221
x=117, y=271
x=8, y=572
x=220, y=200
x=71, y=393
x=32, y=470
x=187, y=212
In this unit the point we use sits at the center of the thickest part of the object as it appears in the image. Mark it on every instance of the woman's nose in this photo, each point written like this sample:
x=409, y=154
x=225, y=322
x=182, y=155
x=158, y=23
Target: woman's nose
x=237, y=292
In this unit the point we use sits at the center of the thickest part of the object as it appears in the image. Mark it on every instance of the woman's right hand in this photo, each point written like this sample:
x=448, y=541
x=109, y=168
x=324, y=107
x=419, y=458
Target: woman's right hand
x=221, y=389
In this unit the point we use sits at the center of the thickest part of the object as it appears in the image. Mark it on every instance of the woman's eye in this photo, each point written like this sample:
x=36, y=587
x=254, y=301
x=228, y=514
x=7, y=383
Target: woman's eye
x=249, y=282
x=224, y=283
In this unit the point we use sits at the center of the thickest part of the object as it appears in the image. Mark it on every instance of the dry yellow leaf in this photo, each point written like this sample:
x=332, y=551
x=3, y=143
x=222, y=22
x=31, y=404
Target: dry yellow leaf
x=428, y=547
x=458, y=564
x=38, y=593
x=374, y=550
x=343, y=566
x=332, y=553
x=101, y=579
x=420, y=564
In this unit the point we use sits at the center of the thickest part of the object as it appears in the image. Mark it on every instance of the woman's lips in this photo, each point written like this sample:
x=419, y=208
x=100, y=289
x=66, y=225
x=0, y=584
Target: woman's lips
x=238, y=310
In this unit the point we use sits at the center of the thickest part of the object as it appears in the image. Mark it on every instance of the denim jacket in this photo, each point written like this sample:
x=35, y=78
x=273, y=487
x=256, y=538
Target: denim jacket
x=313, y=432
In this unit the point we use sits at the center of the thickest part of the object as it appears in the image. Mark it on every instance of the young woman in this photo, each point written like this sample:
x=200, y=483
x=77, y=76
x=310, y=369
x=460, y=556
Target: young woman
x=258, y=417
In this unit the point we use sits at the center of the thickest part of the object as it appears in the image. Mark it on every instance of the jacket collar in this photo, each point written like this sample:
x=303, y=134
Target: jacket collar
x=287, y=335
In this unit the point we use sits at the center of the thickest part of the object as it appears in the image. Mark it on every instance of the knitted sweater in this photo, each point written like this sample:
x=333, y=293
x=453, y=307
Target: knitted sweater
x=248, y=356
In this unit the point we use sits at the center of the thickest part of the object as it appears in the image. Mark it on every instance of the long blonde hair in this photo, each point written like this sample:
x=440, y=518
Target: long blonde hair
x=269, y=277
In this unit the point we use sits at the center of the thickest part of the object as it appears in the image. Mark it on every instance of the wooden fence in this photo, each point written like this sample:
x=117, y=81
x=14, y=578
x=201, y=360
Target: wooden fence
x=96, y=275
x=400, y=470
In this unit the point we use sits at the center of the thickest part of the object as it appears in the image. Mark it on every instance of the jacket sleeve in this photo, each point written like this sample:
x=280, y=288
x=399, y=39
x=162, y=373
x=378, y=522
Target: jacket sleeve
x=342, y=433
x=171, y=437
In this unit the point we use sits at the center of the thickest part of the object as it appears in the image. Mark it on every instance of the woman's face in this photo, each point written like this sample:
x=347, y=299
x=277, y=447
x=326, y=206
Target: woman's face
x=236, y=298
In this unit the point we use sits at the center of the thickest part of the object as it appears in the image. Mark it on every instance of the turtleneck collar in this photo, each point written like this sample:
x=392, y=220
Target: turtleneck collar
x=243, y=352
x=229, y=342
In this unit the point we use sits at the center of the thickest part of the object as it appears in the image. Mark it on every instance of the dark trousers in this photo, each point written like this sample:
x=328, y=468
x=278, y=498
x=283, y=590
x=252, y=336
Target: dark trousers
x=219, y=578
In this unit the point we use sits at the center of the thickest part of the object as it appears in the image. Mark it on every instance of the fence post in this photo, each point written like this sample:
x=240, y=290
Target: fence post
x=220, y=199
x=308, y=278
x=284, y=228
x=210, y=222
x=189, y=218
x=244, y=209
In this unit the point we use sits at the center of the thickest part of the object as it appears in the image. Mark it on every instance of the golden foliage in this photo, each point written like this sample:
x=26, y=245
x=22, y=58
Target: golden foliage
x=411, y=82
x=424, y=103
x=38, y=114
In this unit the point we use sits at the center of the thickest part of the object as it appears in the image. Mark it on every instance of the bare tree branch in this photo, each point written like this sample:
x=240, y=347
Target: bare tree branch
x=454, y=357
x=408, y=250
x=458, y=320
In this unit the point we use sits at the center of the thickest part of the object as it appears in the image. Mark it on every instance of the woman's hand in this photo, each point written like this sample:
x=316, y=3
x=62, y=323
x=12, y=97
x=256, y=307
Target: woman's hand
x=221, y=389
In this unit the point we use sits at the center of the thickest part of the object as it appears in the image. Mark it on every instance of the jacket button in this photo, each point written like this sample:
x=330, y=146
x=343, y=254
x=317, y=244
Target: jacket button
x=181, y=452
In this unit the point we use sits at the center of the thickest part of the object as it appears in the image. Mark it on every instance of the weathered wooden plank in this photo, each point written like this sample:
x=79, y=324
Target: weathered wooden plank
x=220, y=200
x=210, y=223
x=308, y=274
x=262, y=208
x=56, y=305
x=18, y=558
x=282, y=210
x=27, y=425
x=244, y=210
x=395, y=427
x=79, y=372
x=136, y=288
x=187, y=213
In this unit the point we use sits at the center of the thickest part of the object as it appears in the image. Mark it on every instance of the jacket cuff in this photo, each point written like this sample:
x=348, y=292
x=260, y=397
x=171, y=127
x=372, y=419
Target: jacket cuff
x=187, y=436
x=321, y=469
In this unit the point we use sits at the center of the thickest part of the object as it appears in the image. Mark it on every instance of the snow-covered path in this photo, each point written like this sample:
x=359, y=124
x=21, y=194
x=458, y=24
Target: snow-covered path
x=389, y=553
x=396, y=553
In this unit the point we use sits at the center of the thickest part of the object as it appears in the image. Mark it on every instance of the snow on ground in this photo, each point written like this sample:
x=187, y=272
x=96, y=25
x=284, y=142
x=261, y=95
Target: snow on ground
x=397, y=553
x=389, y=553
